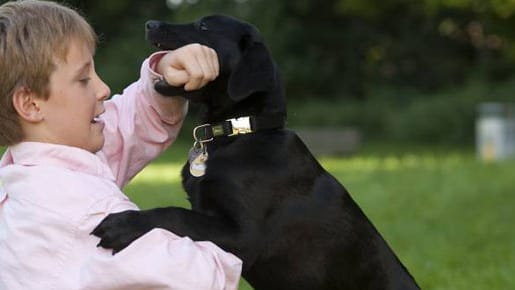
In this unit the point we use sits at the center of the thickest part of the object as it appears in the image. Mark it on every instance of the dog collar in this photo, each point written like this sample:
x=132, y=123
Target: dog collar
x=238, y=126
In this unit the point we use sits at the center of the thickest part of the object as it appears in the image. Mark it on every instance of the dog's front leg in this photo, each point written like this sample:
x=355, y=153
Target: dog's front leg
x=118, y=230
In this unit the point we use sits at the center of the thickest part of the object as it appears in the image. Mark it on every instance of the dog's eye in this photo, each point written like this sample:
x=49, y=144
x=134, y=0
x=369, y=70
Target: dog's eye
x=202, y=26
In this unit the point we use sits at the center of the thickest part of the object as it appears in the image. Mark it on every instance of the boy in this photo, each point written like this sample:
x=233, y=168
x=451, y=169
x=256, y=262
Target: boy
x=70, y=151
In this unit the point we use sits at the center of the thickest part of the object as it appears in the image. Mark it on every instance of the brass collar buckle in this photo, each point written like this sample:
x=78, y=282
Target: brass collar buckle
x=240, y=126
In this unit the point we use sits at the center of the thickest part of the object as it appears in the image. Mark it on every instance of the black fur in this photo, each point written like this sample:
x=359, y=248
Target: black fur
x=264, y=196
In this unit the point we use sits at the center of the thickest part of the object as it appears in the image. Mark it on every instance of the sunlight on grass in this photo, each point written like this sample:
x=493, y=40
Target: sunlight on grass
x=158, y=185
x=170, y=172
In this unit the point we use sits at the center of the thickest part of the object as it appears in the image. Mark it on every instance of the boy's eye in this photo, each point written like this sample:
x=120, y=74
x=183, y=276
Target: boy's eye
x=84, y=81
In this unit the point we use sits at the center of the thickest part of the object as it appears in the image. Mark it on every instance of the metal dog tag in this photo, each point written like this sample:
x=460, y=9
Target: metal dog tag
x=198, y=165
x=198, y=158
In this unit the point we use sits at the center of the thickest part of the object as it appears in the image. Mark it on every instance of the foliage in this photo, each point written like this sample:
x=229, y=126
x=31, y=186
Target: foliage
x=450, y=223
x=400, y=69
x=405, y=115
x=334, y=49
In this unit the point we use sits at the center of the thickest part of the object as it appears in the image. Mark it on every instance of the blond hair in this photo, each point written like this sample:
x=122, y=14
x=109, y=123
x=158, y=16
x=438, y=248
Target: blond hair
x=33, y=35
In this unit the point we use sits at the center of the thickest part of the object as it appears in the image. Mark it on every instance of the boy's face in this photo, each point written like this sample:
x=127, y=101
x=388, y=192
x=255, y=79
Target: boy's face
x=75, y=102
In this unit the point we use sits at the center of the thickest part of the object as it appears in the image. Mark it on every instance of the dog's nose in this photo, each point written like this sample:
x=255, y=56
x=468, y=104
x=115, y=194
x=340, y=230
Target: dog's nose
x=152, y=24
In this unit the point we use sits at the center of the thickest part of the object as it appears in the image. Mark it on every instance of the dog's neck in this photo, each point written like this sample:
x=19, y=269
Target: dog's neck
x=220, y=107
x=260, y=111
x=238, y=126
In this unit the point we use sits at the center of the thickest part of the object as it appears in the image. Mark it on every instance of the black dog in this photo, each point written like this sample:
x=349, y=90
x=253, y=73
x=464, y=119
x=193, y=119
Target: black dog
x=255, y=189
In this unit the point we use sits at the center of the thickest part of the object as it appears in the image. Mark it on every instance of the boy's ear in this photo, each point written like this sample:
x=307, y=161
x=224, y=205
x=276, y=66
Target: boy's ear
x=27, y=105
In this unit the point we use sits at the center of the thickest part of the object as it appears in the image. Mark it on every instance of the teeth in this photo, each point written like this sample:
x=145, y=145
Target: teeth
x=98, y=118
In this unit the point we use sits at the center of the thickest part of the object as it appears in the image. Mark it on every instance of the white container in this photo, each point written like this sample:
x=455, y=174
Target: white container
x=495, y=131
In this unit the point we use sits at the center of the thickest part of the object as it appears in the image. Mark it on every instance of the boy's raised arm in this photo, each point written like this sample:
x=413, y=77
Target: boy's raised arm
x=140, y=124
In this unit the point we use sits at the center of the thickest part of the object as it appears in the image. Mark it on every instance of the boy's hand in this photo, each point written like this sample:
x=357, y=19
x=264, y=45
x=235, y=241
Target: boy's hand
x=191, y=66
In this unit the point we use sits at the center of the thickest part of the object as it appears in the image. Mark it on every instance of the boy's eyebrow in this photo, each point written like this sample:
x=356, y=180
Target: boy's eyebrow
x=83, y=69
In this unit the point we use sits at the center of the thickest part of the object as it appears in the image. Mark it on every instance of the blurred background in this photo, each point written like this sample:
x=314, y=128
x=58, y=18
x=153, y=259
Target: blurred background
x=402, y=71
x=408, y=103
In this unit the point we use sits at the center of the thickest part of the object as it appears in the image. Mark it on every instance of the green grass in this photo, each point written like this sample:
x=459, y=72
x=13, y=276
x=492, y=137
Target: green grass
x=449, y=217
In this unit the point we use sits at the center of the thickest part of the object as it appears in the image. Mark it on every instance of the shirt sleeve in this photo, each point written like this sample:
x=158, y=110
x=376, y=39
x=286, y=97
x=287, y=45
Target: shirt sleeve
x=162, y=260
x=140, y=124
x=159, y=259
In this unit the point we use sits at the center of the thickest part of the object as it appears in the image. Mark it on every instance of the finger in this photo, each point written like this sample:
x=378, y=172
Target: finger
x=210, y=67
x=209, y=64
x=176, y=77
x=199, y=64
x=213, y=57
x=173, y=67
x=208, y=72
x=198, y=76
x=207, y=61
x=198, y=68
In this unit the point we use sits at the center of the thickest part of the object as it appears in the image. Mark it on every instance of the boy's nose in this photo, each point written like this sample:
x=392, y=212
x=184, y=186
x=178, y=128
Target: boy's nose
x=104, y=92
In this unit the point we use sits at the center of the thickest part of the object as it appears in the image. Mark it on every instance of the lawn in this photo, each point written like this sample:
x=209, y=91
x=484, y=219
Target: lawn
x=448, y=216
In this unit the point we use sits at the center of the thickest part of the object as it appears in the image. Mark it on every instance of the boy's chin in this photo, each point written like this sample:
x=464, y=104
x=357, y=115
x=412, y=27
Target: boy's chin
x=96, y=146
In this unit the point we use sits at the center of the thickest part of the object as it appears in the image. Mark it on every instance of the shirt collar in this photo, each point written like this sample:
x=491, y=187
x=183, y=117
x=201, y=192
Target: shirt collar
x=56, y=155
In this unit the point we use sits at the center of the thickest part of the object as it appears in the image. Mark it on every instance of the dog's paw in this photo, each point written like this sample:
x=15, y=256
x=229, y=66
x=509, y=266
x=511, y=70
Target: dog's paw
x=118, y=230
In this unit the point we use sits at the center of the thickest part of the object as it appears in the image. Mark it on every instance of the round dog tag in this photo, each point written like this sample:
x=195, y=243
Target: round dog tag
x=198, y=165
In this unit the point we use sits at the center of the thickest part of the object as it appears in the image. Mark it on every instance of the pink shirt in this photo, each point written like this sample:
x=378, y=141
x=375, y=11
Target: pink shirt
x=53, y=196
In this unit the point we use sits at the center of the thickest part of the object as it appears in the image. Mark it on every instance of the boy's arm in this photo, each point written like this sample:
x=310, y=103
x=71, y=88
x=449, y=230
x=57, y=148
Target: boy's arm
x=140, y=124
x=162, y=260
x=157, y=260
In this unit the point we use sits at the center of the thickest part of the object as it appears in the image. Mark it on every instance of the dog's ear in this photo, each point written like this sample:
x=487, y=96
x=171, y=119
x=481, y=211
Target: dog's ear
x=253, y=73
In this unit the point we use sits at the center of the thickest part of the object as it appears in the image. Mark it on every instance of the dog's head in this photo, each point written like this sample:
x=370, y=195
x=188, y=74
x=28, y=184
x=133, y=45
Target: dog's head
x=247, y=70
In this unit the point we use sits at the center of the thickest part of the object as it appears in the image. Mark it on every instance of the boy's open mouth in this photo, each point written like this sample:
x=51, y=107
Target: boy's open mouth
x=97, y=119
